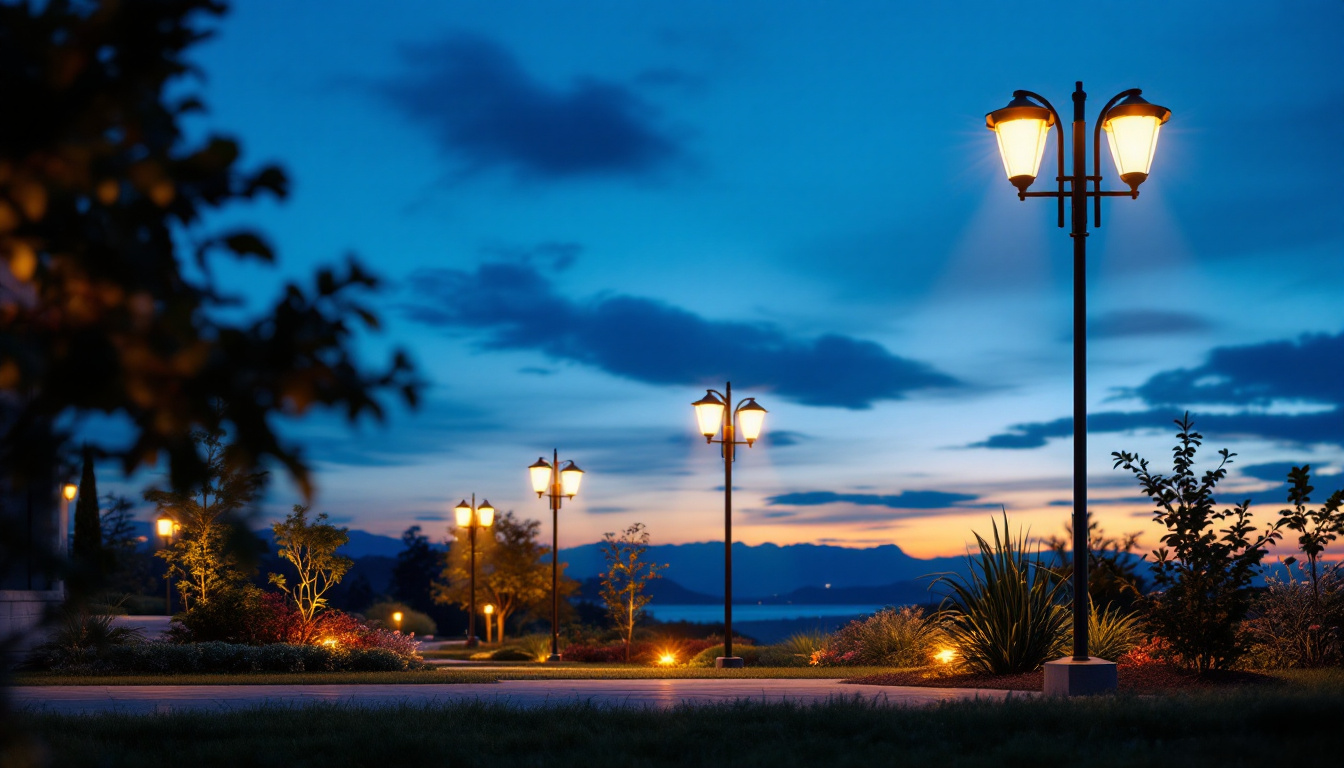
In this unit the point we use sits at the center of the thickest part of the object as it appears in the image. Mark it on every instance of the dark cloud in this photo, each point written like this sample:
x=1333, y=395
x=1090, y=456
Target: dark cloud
x=783, y=438
x=1277, y=472
x=1308, y=370
x=1301, y=428
x=481, y=106
x=902, y=500
x=515, y=307
x=1150, y=322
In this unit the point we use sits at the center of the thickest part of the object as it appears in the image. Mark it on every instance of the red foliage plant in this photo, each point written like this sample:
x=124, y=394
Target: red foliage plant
x=1155, y=651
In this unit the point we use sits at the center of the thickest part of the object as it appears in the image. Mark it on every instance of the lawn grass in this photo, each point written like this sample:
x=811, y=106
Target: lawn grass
x=1283, y=725
x=456, y=674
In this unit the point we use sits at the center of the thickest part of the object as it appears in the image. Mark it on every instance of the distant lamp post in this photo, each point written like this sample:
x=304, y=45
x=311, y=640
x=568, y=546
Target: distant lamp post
x=489, y=622
x=166, y=527
x=1132, y=126
x=68, y=492
x=396, y=619
x=558, y=483
x=711, y=411
x=471, y=517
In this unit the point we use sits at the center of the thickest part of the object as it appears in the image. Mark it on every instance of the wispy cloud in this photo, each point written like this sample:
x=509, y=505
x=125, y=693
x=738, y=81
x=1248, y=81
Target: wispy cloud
x=902, y=500
x=514, y=306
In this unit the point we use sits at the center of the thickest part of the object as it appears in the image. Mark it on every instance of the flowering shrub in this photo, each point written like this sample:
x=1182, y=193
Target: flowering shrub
x=1296, y=626
x=1155, y=651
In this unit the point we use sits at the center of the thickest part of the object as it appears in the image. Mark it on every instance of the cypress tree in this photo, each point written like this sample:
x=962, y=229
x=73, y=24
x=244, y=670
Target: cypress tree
x=88, y=545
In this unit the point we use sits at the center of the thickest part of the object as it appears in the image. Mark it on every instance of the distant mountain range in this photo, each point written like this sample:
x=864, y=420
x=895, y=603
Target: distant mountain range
x=772, y=571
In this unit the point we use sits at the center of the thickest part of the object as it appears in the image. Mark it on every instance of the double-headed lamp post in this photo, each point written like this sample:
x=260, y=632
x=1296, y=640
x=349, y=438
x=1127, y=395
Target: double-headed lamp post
x=471, y=517
x=715, y=418
x=1132, y=126
x=557, y=482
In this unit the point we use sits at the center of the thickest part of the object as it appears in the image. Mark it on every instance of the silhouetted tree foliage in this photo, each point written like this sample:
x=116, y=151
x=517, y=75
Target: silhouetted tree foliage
x=102, y=201
x=206, y=558
x=1204, y=568
x=131, y=568
x=1112, y=575
x=414, y=573
x=87, y=548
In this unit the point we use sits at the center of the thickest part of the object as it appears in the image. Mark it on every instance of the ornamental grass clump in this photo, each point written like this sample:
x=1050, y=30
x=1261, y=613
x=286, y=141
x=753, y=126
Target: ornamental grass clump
x=892, y=637
x=1005, y=617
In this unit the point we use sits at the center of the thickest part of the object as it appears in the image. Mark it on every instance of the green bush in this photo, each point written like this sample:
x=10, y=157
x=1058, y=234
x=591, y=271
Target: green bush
x=232, y=658
x=892, y=637
x=537, y=647
x=779, y=655
x=412, y=622
x=1005, y=617
x=512, y=654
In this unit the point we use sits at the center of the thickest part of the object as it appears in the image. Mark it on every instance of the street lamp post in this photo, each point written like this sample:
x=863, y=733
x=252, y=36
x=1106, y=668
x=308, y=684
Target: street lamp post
x=711, y=411
x=558, y=483
x=396, y=619
x=1132, y=125
x=167, y=527
x=471, y=517
x=489, y=622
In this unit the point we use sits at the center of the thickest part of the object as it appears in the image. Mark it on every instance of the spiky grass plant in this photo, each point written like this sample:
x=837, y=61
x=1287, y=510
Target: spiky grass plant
x=1005, y=617
x=1111, y=632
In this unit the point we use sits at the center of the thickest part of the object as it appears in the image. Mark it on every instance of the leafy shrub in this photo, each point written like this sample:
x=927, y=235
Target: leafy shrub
x=1207, y=560
x=233, y=658
x=1005, y=617
x=246, y=615
x=412, y=622
x=892, y=637
x=80, y=637
x=511, y=654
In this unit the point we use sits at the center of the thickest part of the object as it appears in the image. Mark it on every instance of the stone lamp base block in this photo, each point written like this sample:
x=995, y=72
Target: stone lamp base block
x=729, y=662
x=1066, y=677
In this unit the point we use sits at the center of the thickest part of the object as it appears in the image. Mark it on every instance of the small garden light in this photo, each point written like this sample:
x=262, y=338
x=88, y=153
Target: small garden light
x=667, y=660
x=945, y=656
x=396, y=618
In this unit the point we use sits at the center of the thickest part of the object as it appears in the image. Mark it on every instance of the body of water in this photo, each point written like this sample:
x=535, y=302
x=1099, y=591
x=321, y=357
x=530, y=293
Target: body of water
x=714, y=613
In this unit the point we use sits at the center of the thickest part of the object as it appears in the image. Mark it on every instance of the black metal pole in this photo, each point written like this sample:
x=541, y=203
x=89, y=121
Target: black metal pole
x=1078, y=199
x=471, y=620
x=728, y=439
x=555, y=555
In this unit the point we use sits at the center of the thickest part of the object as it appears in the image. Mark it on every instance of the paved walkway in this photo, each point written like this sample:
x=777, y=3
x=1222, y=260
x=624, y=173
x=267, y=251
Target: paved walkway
x=660, y=694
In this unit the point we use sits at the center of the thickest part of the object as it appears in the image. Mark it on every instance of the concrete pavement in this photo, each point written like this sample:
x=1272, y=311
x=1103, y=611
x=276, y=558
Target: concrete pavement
x=661, y=694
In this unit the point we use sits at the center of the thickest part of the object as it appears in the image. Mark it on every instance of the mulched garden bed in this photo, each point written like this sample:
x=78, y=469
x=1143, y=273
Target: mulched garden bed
x=1142, y=679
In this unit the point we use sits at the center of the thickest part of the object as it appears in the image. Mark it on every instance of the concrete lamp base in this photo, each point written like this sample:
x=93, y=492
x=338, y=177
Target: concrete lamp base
x=729, y=662
x=1066, y=677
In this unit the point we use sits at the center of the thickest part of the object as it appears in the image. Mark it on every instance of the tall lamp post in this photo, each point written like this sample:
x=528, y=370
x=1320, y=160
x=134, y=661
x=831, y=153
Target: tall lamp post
x=471, y=517
x=167, y=527
x=715, y=418
x=1132, y=126
x=558, y=483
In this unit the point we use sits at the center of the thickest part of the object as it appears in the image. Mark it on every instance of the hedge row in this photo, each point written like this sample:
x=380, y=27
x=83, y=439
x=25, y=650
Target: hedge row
x=171, y=659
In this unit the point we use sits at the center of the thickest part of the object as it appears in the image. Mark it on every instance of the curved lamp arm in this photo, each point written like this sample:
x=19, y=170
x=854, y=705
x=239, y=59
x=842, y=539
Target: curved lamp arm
x=1059, y=144
x=1096, y=153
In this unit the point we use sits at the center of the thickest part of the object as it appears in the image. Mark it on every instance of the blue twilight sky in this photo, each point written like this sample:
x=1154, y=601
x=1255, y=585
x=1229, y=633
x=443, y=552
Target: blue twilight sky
x=587, y=212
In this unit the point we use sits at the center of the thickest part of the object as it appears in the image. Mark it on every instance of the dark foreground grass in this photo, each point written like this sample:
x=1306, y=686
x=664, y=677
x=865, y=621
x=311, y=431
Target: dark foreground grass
x=1289, y=725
